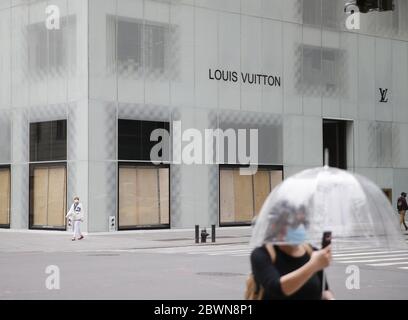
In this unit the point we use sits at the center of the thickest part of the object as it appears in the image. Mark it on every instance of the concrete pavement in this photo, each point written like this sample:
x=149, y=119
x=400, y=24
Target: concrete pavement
x=171, y=273
x=120, y=265
x=54, y=241
x=167, y=264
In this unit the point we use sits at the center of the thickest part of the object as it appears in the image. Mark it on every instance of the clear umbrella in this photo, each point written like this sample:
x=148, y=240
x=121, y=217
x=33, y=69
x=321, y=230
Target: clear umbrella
x=352, y=207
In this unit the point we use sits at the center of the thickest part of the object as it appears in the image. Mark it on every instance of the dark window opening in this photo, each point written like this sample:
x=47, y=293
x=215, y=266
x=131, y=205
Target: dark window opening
x=134, y=140
x=335, y=141
x=48, y=141
x=388, y=194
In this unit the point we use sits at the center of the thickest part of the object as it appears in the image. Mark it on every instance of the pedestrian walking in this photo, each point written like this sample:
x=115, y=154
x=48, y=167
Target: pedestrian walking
x=290, y=269
x=402, y=207
x=297, y=212
x=76, y=215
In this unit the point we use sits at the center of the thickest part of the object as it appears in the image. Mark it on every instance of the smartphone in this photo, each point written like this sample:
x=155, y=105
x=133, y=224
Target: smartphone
x=326, y=240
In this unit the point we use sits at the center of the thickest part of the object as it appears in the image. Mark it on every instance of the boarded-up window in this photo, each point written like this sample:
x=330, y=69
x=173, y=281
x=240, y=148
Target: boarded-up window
x=143, y=196
x=242, y=196
x=5, y=196
x=48, y=196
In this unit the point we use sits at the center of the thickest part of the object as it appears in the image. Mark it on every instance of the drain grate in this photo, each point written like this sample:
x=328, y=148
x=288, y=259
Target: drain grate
x=220, y=274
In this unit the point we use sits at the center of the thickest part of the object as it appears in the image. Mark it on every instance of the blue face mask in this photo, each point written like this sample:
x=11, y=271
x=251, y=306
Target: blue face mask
x=296, y=235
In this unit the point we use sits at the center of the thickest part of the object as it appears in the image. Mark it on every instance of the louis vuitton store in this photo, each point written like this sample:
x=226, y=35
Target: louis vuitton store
x=79, y=103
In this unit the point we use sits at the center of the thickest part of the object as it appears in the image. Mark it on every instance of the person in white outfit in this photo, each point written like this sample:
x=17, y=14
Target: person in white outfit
x=75, y=214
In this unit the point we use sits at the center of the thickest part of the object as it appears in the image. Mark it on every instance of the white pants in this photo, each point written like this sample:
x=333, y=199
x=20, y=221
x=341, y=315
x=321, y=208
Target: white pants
x=77, y=229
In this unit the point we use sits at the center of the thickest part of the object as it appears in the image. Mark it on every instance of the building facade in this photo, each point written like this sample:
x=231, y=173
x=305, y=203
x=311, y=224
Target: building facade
x=83, y=83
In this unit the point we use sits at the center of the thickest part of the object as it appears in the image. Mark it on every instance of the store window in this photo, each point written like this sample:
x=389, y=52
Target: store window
x=48, y=196
x=328, y=14
x=48, y=141
x=144, y=188
x=312, y=12
x=143, y=196
x=319, y=69
x=134, y=140
x=52, y=50
x=48, y=174
x=388, y=194
x=242, y=196
x=5, y=192
x=138, y=44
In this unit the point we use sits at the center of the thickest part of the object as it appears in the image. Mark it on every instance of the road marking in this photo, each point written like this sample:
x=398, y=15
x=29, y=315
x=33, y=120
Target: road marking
x=336, y=251
x=198, y=250
x=208, y=250
x=371, y=260
x=373, y=257
x=368, y=253
x=214, y=251
x=355, y=254
x=228, y=252
x=386, y=264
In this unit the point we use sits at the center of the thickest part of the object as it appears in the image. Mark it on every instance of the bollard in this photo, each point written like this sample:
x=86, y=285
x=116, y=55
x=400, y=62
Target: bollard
x=213, y=233
x=197, y=233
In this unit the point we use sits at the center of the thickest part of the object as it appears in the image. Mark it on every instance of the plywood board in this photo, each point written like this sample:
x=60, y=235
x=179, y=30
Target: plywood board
x=243, y=197
x=227, y=199
x=127, y=197
x=261, y=188
x=276, y=178
x=147, y=196
x=56, y=196
x=4, y=196
x=164, y=195
x=40, y=196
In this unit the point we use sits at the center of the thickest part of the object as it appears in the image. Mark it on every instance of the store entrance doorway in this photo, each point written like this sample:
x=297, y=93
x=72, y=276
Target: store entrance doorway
x=336, y=137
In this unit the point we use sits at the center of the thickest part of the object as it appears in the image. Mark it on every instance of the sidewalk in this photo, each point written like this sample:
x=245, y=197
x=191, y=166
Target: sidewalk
x=54, y=241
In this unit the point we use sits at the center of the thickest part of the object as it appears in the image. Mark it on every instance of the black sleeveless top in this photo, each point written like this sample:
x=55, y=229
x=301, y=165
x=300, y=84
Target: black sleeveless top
x=268, y=275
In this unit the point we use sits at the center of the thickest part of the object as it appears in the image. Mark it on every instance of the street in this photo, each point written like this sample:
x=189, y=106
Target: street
x=173, y=271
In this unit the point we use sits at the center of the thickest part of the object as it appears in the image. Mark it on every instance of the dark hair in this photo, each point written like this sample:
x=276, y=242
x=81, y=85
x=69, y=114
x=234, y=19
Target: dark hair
x=403, y=194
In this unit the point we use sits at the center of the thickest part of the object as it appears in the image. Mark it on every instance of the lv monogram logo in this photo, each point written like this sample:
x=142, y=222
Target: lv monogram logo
x=383, y=93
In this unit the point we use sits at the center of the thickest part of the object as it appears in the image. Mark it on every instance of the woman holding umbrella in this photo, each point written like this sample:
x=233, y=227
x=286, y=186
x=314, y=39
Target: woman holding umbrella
x=298, y=211
x=293, y=269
